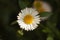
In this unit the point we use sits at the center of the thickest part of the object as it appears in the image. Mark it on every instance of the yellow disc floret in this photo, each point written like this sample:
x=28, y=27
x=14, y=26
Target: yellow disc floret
x=28, y=19
x=38, y=6
x=40, y=9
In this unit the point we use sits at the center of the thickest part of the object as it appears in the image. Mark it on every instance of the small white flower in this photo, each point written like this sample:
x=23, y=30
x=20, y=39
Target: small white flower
x=42, y=6
x=28, y=19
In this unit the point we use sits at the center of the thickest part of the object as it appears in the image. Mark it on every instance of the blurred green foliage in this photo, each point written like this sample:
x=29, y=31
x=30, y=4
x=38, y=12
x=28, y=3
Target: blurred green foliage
x=9, y=9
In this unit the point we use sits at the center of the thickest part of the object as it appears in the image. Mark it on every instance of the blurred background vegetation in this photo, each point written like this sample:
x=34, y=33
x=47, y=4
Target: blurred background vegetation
x=48, y=29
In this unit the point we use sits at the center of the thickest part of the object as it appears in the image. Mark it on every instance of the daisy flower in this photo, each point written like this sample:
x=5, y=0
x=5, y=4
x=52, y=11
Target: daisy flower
x=42, y=6
x=28, y=19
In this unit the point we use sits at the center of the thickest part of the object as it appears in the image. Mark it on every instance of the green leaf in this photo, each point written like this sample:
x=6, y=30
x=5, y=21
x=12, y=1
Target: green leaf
x=20, y=32
x=45, y=14
x=23, y=4
x=50, y=37
x=14, y=22
x=46, y=30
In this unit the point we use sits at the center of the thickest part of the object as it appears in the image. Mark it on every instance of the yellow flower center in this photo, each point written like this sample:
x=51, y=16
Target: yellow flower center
x=38, y=6
x=41, y=9
x=28, y=19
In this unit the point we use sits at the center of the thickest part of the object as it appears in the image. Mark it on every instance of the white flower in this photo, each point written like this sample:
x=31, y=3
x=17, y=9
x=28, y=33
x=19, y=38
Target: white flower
x=42, y=6
x=28, y=19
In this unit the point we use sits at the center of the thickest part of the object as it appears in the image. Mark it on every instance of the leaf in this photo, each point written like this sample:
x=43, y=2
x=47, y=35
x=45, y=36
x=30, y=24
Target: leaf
x=46, y=30
x=14, y=22
x=50, y=37
x=45, y=14
x=23, y=4
x=20, y=32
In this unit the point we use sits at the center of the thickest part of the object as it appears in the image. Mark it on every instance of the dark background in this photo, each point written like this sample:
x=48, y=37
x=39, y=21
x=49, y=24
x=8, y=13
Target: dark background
x=9, y=9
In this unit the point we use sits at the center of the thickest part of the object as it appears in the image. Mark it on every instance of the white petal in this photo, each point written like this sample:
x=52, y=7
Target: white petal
x=35, y=13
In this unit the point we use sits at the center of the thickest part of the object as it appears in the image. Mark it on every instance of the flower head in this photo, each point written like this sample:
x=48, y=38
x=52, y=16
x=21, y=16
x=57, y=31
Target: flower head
x=28, y=19
x=42, y=6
